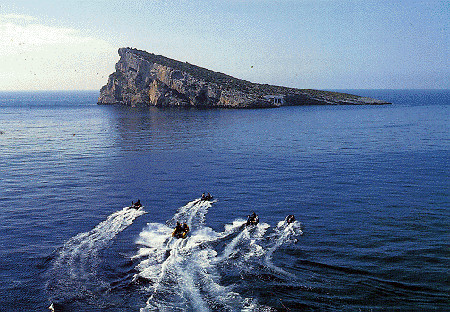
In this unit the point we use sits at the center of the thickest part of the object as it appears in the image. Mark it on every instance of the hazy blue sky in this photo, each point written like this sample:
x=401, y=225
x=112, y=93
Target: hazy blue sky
x=321, y=44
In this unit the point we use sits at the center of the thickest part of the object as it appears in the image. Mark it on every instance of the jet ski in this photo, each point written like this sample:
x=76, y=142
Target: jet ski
x=252, y=219
x=180, y=234
x=290, y=219
x=180, y=231
x=207, y=197
x=136, y=205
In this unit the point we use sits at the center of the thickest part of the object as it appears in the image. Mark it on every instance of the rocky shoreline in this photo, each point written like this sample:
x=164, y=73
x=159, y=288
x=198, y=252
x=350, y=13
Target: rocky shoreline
x=146, y=79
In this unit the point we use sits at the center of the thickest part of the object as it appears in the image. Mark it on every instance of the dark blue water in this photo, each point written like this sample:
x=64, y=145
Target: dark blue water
x=368, y=185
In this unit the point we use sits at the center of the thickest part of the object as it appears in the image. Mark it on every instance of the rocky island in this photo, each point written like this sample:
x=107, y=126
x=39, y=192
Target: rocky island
x=146, y=79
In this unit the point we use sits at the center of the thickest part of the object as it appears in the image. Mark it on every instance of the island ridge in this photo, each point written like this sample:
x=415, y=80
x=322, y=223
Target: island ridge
x=146, y=79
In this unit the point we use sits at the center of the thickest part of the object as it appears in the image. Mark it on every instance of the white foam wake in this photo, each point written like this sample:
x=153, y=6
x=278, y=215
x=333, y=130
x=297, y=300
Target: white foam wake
x=74, y=267
x=181, y=272
x=187, y=274
x=245, y=245
x=283, y=233
x=82, y=249
x=193, y=213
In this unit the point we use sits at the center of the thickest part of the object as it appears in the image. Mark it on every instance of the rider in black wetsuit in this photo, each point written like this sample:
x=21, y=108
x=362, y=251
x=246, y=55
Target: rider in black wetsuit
x=136, y=205
x=290, y=219
x=206, y=197
x=177, y=230
x=252, y=219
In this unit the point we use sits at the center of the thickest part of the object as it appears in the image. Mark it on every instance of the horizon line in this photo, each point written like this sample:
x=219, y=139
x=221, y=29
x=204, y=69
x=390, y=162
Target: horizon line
x=320, y=89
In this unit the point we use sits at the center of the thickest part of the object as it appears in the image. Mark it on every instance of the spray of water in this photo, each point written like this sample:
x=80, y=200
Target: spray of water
x=73, y=273
x=284, y=233
x=187, y=274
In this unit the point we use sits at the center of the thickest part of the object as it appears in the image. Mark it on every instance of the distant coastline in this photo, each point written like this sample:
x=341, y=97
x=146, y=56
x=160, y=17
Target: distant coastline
x=146, y=79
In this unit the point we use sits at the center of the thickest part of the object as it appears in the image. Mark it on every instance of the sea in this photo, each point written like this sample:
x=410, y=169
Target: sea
x=368, y=186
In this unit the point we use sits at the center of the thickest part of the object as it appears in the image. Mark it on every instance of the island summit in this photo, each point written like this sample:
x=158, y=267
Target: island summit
x=146, y=79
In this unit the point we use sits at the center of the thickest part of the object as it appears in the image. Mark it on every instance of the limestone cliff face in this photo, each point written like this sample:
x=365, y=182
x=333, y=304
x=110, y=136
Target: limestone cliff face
x=144, y=79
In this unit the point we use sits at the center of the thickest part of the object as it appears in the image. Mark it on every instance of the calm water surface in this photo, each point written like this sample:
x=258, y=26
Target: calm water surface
x=368, y=185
